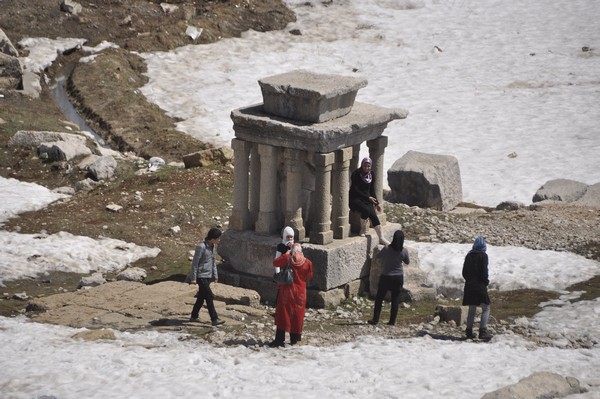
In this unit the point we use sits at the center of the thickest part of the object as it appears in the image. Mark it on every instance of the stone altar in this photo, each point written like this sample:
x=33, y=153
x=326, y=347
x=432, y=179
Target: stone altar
x=293, y=157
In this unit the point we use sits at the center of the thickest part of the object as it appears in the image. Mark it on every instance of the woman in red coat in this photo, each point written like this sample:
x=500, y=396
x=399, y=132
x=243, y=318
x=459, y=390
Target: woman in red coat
x=291, y=300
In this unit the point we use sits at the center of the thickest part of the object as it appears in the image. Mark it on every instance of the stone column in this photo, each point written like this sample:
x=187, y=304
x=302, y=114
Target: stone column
x=267, y=215
x=355, y=162
x=254, y=184
x=321, y=228
x=293, y=191
x=240, y=215
x=340, y=186
x=376, y=152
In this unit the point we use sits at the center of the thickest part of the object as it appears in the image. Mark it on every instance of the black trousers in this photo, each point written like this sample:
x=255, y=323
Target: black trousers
x=367, y=210
x=204, y=293
x=393, y=284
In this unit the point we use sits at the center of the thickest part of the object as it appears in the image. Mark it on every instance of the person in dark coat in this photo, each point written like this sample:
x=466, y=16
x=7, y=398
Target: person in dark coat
x=475, y=273
x=362, y=199
x=392, y=276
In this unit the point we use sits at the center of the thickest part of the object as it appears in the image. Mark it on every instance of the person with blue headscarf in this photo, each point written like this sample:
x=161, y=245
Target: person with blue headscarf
x=475, y=273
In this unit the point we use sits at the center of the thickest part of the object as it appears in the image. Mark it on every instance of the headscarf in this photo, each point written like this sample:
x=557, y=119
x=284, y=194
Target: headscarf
x=479, y=245
x=398, y=240
x=296, y=255
x=287, y=231
x=367, y=177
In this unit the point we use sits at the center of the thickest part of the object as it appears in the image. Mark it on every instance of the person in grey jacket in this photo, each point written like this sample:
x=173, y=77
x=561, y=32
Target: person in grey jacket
x=204, y=271
x=392, y=276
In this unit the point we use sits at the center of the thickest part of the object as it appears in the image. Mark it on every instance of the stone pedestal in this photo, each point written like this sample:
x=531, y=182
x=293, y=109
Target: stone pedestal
x=293, y=157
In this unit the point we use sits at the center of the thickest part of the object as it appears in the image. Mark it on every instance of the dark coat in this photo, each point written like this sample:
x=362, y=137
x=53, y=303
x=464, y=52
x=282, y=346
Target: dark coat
x=475, y=273
x=360, y=190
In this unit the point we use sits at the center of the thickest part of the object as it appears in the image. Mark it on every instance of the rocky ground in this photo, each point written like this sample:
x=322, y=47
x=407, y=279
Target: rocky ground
x=197, y=199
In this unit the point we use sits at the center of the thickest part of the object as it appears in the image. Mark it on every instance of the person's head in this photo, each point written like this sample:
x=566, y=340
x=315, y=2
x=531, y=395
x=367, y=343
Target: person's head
x=296, y=255
x=366, y=164
x=287, y=236
x=479, y=244
x=398, y=240
x=213, y=236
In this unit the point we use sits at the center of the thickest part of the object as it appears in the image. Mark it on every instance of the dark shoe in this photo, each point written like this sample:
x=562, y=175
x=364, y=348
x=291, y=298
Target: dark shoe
x=194, y=319
x=278, y=342
x=484, y=334
x=470, y=334
x=391, y=323
x=295, y=339
x=372, y=322
x=217, y=322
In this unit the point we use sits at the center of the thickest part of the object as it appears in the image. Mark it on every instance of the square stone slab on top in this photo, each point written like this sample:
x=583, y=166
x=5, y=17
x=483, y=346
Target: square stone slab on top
x=306, y=96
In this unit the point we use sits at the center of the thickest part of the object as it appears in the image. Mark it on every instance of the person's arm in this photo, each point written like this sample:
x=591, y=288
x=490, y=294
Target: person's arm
x=405, y=256
x=215, y=272
x=281, y=261
x=196, y=261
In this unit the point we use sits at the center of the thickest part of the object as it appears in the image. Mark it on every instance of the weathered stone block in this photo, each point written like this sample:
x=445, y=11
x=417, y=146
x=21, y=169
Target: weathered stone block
x=426, y=180
x=306, y=96
x=334, y=264
x=456, y=313
x=560, y=190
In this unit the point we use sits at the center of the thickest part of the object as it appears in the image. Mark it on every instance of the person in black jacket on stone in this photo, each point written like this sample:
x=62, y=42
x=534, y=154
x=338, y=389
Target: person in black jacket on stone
x=475, y=273
x=362, y=199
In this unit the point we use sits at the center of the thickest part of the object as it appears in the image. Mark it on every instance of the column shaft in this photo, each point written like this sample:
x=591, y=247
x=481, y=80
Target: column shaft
x=267, y=214
x=376, y=152
x=321, y=228
x=293, y=191
x=340, y=185
x=240, y=215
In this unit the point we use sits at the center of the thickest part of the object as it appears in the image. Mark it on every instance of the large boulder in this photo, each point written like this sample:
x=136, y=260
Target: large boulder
x=212, y=156
x=560, y=190
x=11, y=72
x=33, y=138
x=540, y=385
x=102, y=168
x=6, y=46
x=591, y=198
x=426, y=181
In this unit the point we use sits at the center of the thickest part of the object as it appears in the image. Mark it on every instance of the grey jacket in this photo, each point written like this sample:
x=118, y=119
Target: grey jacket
x=204, y=264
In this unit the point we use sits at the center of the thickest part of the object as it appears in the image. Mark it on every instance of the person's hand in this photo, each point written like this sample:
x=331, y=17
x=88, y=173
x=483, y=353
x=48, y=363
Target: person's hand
x=373, y=200
x=281, y=247
x=193, y=282
x=378, y=208
x=215, y=280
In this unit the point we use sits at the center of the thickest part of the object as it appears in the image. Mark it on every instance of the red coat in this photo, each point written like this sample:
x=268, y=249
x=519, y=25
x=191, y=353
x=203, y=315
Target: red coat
x=291, y=300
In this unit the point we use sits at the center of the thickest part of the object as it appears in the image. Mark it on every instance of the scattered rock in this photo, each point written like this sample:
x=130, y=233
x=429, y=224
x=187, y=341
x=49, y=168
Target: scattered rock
x=132, y=274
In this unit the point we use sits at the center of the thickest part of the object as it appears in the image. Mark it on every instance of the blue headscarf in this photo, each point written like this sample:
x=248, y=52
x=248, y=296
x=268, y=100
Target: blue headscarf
x=479, y=244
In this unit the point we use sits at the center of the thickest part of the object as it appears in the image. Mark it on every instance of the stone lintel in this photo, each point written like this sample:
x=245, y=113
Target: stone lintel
x=307, y=96
x=364, y=122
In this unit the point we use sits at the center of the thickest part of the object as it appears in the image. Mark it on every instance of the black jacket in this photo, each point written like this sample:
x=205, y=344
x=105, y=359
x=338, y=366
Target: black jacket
x=475, y=273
